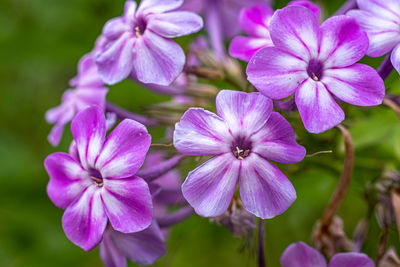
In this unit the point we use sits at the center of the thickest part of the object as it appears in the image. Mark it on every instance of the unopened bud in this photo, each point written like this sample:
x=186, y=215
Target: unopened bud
x=360, y=234
x=237, y=219
x=390, y=259
x=331, y=239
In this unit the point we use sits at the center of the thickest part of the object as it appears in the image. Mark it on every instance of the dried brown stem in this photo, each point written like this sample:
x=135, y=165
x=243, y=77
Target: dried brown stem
x=382, y=244
x=344, y=182
x=206, y=73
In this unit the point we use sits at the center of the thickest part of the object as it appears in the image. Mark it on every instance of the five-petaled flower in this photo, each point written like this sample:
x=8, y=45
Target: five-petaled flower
x=255, y=22
x=138, y=43
x=315, y=62
x=96, y=182
x=88, y=91
x=243, y=137
x=381, y=20
x=301, y=255
x=143, y=248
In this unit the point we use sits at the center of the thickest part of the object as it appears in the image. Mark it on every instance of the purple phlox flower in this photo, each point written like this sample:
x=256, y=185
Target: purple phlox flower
x=255, y=22
x=95, y=183
x=221, y=18
x=301, y=255
x=243, y=137
x=313, y=63
x=139, y=42
x=143, y=248
x=88, y=91
x=381, y=20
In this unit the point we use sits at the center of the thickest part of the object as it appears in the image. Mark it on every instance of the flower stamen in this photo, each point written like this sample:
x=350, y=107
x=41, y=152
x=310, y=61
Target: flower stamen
x=240, y=153
x=137, y=31
x=97, y=181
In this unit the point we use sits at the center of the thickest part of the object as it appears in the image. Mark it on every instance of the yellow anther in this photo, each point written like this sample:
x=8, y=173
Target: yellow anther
x=238, y=150
x=138, y=33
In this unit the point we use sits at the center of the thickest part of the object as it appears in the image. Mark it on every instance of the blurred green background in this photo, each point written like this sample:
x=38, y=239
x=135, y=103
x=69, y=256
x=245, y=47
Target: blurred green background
x=41, y=42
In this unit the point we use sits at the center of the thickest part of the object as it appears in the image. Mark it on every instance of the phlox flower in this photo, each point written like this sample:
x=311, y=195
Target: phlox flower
x=221, y=18
x=301, y=255
x=255, y=21
x=381, y=20
x=88, y=91
x=243, y=137
x=138, y=43
x=314, y=62
x=95, y=183
x=143, y=248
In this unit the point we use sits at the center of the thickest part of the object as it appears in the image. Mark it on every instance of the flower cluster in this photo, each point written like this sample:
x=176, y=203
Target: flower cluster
x=116, y=194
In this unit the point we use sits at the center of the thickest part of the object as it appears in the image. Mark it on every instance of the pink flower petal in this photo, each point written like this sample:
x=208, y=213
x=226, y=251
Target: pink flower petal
x=317, y=108
x=115, y=62
x=73, y=151
x=210, y=187
x=389, y=9
x=201, y=132
x=109, y=252
x=157, y=60
x=276, y=73
x=128, y=204
x=130, y=12
x=142, y=248
x=302, y=255
x=90, y=97
x=343, y=42
x=88, y=76
x=84, y=220
x=383, y=33
x=264, y=189
x=308, y=4
x=276, y=141
x=244, y=48
x=67, y=179
x=124, y=150
x=255, y=20
x=89, y=130
x=358, y=85
x=351, y=259
x=395, y=58
x=175, y=24
x=295, y=29
x=243, y=111
x=114, y=28
x=158, y=6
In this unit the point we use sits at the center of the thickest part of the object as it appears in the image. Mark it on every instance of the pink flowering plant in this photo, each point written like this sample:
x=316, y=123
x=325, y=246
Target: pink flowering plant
x=250, y=96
